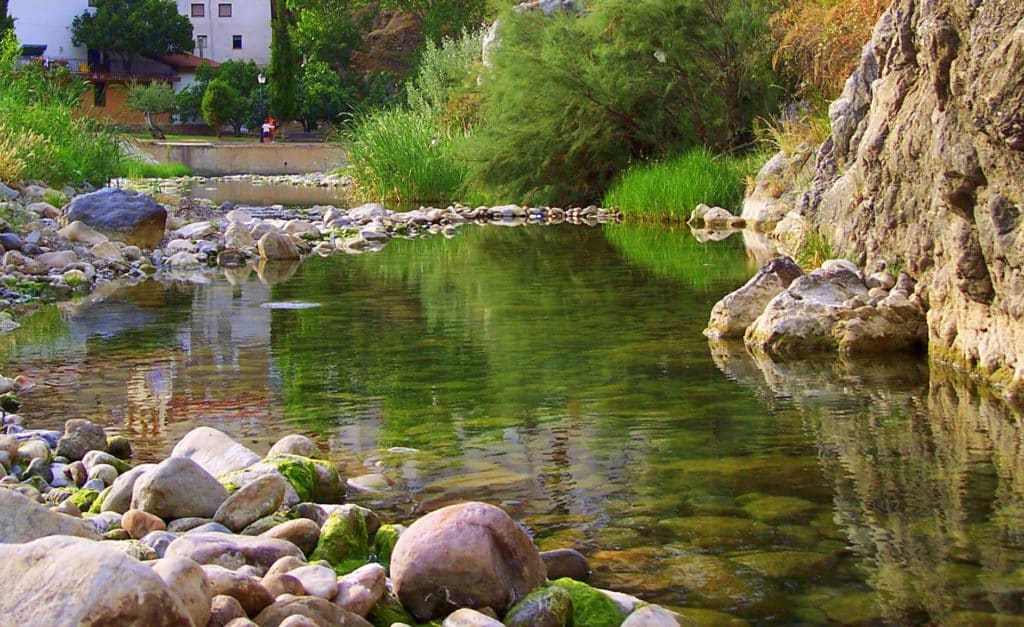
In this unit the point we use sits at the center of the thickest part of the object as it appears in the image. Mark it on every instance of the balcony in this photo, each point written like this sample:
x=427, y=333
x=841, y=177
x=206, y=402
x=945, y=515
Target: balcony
x=143, y=71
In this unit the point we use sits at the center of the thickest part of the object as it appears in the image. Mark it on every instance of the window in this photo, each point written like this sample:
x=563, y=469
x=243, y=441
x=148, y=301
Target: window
x=99, y=94
x=201, y=44
x=198, y=9
x=236, y=42
x=224, y=9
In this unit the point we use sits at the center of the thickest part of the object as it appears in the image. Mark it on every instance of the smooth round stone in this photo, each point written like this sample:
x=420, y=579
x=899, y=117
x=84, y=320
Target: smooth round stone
x=94, y=484
x=178, y=488
x=78, y=472
x=286, y=564
x=120, y=447
x=249, y=591
x=360, y=590
x=253, y=501
x=105, y=521
x=188, y=582
x=466, y=617
x=119, y=499
x=210, y=527
x=298, y=620
x=80, y=437
x=283, y=583
x=296, y=445
x=94, y=457
x=104, y=472
x=566, y=563
x=39, y=468
x=67, y=506
x=10, y=241
x=318, y=581
x=223, y=610
x=232, y=551
x=544, y=607
x=301, y=532
x=158, y=541
x=182, y=525
x=34, y=449
x=371, y=482
x=321, y=611
x=651, y=616
x=138, y=523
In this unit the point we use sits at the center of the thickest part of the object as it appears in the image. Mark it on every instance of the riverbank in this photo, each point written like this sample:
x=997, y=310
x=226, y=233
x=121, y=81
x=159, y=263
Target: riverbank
x=217, y=533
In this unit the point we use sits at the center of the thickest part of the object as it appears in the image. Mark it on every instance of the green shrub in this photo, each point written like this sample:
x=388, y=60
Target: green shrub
x=571, y=101
x=137, y=169
x=669, y=190
x=400, y=155
x=220, y=101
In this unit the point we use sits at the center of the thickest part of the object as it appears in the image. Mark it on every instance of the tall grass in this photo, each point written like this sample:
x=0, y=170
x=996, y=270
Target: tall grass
x=669, y=190
x=400, y=155
x=137, y=169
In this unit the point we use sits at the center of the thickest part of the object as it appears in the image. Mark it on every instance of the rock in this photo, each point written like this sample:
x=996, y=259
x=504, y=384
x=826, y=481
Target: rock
x=258, y=498
x=93, y=458
x=232, y=551
x=109, y=588
x=80, y=437
x=107, y=251
x=247, y=590
x=301, y=532
x=544, y=607
x=360, y=590
x=10, y=241
x=58, y=259
x=119, y=499
x=261, y=525
x=183, y=259
x=777, y=510
x=466, y=617
x=210, y=527
x=500, y=564
x=77, y=231
x=188, y=582
x=6, y=193
x=24, y=520
x=183, y=525
x=318, y=581
x=296, y=445
x=178, y=488
x=238, y=236
x=308, y=479
x=158, y=541
x=566, y=563
x=717, y=218
x=283, y=583
x=104, y=473
x=384, y=542
x=132, y=548
x=239, y=216
x=196, y=230
x=651, y=616
x=34, y=449
x=297, y=620
x=589, y=605
x=223, y=610
x=285, y=564
x=277, y=246
x=139, y=523
x=320, y=611
x=731, y=316
x=716, y=583
x=214, y=450
x=121, y=215
x=344, y=540
x=786, y=564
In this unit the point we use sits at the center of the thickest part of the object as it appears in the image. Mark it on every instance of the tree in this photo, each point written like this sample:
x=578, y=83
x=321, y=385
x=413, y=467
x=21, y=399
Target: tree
x=127, y=28
x=321, y=95
x=241, y=75
x=283, y=62
x=6, y=21
x=219, y=102
x=152, y=98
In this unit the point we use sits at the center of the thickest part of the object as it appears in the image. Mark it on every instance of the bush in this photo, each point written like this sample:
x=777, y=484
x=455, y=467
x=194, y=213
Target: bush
x=220, y=101
x=42, y=139
x=399, y=155
x=571, y=101
x=820, y=41
x=670, y=190
x=137, y=169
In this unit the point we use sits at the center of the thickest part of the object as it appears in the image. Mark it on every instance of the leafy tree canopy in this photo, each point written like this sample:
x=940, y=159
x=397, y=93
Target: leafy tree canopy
x=321, y=96
x=219, y=102
x=126, y=28
x=152, y=98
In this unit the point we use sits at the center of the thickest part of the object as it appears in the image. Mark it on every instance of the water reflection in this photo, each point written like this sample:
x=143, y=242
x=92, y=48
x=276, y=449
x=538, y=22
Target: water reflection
x=562, y=372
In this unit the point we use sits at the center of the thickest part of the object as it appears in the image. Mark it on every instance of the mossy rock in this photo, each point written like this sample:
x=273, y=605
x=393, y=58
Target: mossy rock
x=9, y=402
x=97, y=503
x=311, y=480
x=590, y=606
x=56, y=496
x=389, y=611
x=716, y=583
x=38, y=483
x=709, y=618
x=861, y=608
x=344, y=541
x=785, y=564
x=776, y=510
x=384, y=544
x=550, y=606
x=84, y=498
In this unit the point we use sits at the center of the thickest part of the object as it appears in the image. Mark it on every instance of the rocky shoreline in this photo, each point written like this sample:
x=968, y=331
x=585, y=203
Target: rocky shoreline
x=217, y=534
x=100, y=236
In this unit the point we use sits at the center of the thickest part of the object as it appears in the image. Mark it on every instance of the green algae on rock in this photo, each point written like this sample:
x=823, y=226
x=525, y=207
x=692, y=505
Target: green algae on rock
x=550, y=606
x=344, y=541
x=589, y=605
x=384, y=544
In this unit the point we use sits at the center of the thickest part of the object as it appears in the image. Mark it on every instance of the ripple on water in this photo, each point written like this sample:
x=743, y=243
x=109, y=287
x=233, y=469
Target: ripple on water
x=289, y=304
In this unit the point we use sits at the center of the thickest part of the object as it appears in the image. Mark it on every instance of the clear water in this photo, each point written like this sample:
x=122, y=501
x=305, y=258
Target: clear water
x=561, y=372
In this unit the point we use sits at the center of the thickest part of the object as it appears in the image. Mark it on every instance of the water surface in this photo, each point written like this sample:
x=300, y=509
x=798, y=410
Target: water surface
x=561, y=372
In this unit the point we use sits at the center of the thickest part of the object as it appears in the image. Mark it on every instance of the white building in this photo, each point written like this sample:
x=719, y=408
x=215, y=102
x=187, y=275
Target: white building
x=232, y=29
x=47, y=23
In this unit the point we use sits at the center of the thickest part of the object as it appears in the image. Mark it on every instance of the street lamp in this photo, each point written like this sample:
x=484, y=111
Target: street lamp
x=261, y=78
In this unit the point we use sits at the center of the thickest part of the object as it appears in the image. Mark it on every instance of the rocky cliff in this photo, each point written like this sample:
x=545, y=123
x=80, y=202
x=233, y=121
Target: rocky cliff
x=925, y=169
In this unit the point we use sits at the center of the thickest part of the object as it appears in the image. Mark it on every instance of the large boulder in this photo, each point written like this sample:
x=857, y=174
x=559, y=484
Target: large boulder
x=24, y=520
x=307, y=479
x=122, y=215
x=119, y=498
x=466, y=555
x=62, y=580
x=178, y=488
x=214, y=450
x=731, y=316
x=277, y=246
x=189, y=583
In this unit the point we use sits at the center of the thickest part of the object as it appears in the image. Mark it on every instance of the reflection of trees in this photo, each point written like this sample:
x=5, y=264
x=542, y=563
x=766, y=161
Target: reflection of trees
x=910, y=461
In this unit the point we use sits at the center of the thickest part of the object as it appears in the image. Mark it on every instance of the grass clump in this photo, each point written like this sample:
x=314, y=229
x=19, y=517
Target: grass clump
x=138, y=169
x=789, y=133
x=814, y=250
x=669, y=190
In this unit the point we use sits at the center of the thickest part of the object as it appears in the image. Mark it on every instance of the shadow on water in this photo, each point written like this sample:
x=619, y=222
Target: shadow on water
x=562, y=372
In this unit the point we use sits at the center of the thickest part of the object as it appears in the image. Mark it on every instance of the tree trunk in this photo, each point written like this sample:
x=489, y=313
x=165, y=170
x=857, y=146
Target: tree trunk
x=154, y=130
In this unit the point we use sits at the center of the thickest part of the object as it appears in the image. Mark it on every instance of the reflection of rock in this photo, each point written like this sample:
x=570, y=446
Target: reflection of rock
x=274, y=272
x=760, y=247
x=712, y=235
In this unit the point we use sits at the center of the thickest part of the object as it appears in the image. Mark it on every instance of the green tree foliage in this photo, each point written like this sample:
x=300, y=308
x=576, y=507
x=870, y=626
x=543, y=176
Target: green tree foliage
x=321, y=95
x=151, y=99
x=242, y=76
x=570, y=102
x=126, y=28
x=283, y=63
x=6, y=21
x=220, y=101
x=444, y=86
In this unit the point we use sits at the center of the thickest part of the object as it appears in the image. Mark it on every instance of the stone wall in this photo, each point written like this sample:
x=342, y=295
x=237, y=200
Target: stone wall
x=925, y=169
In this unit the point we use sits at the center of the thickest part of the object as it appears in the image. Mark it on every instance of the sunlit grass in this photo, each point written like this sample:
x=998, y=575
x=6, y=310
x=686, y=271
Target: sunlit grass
x=136, y=169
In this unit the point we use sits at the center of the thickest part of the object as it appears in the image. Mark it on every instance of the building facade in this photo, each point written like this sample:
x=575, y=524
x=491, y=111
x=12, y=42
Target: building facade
x=226, y=30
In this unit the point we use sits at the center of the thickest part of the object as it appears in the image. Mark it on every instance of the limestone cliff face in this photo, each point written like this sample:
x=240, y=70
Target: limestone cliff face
x=925, y=167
